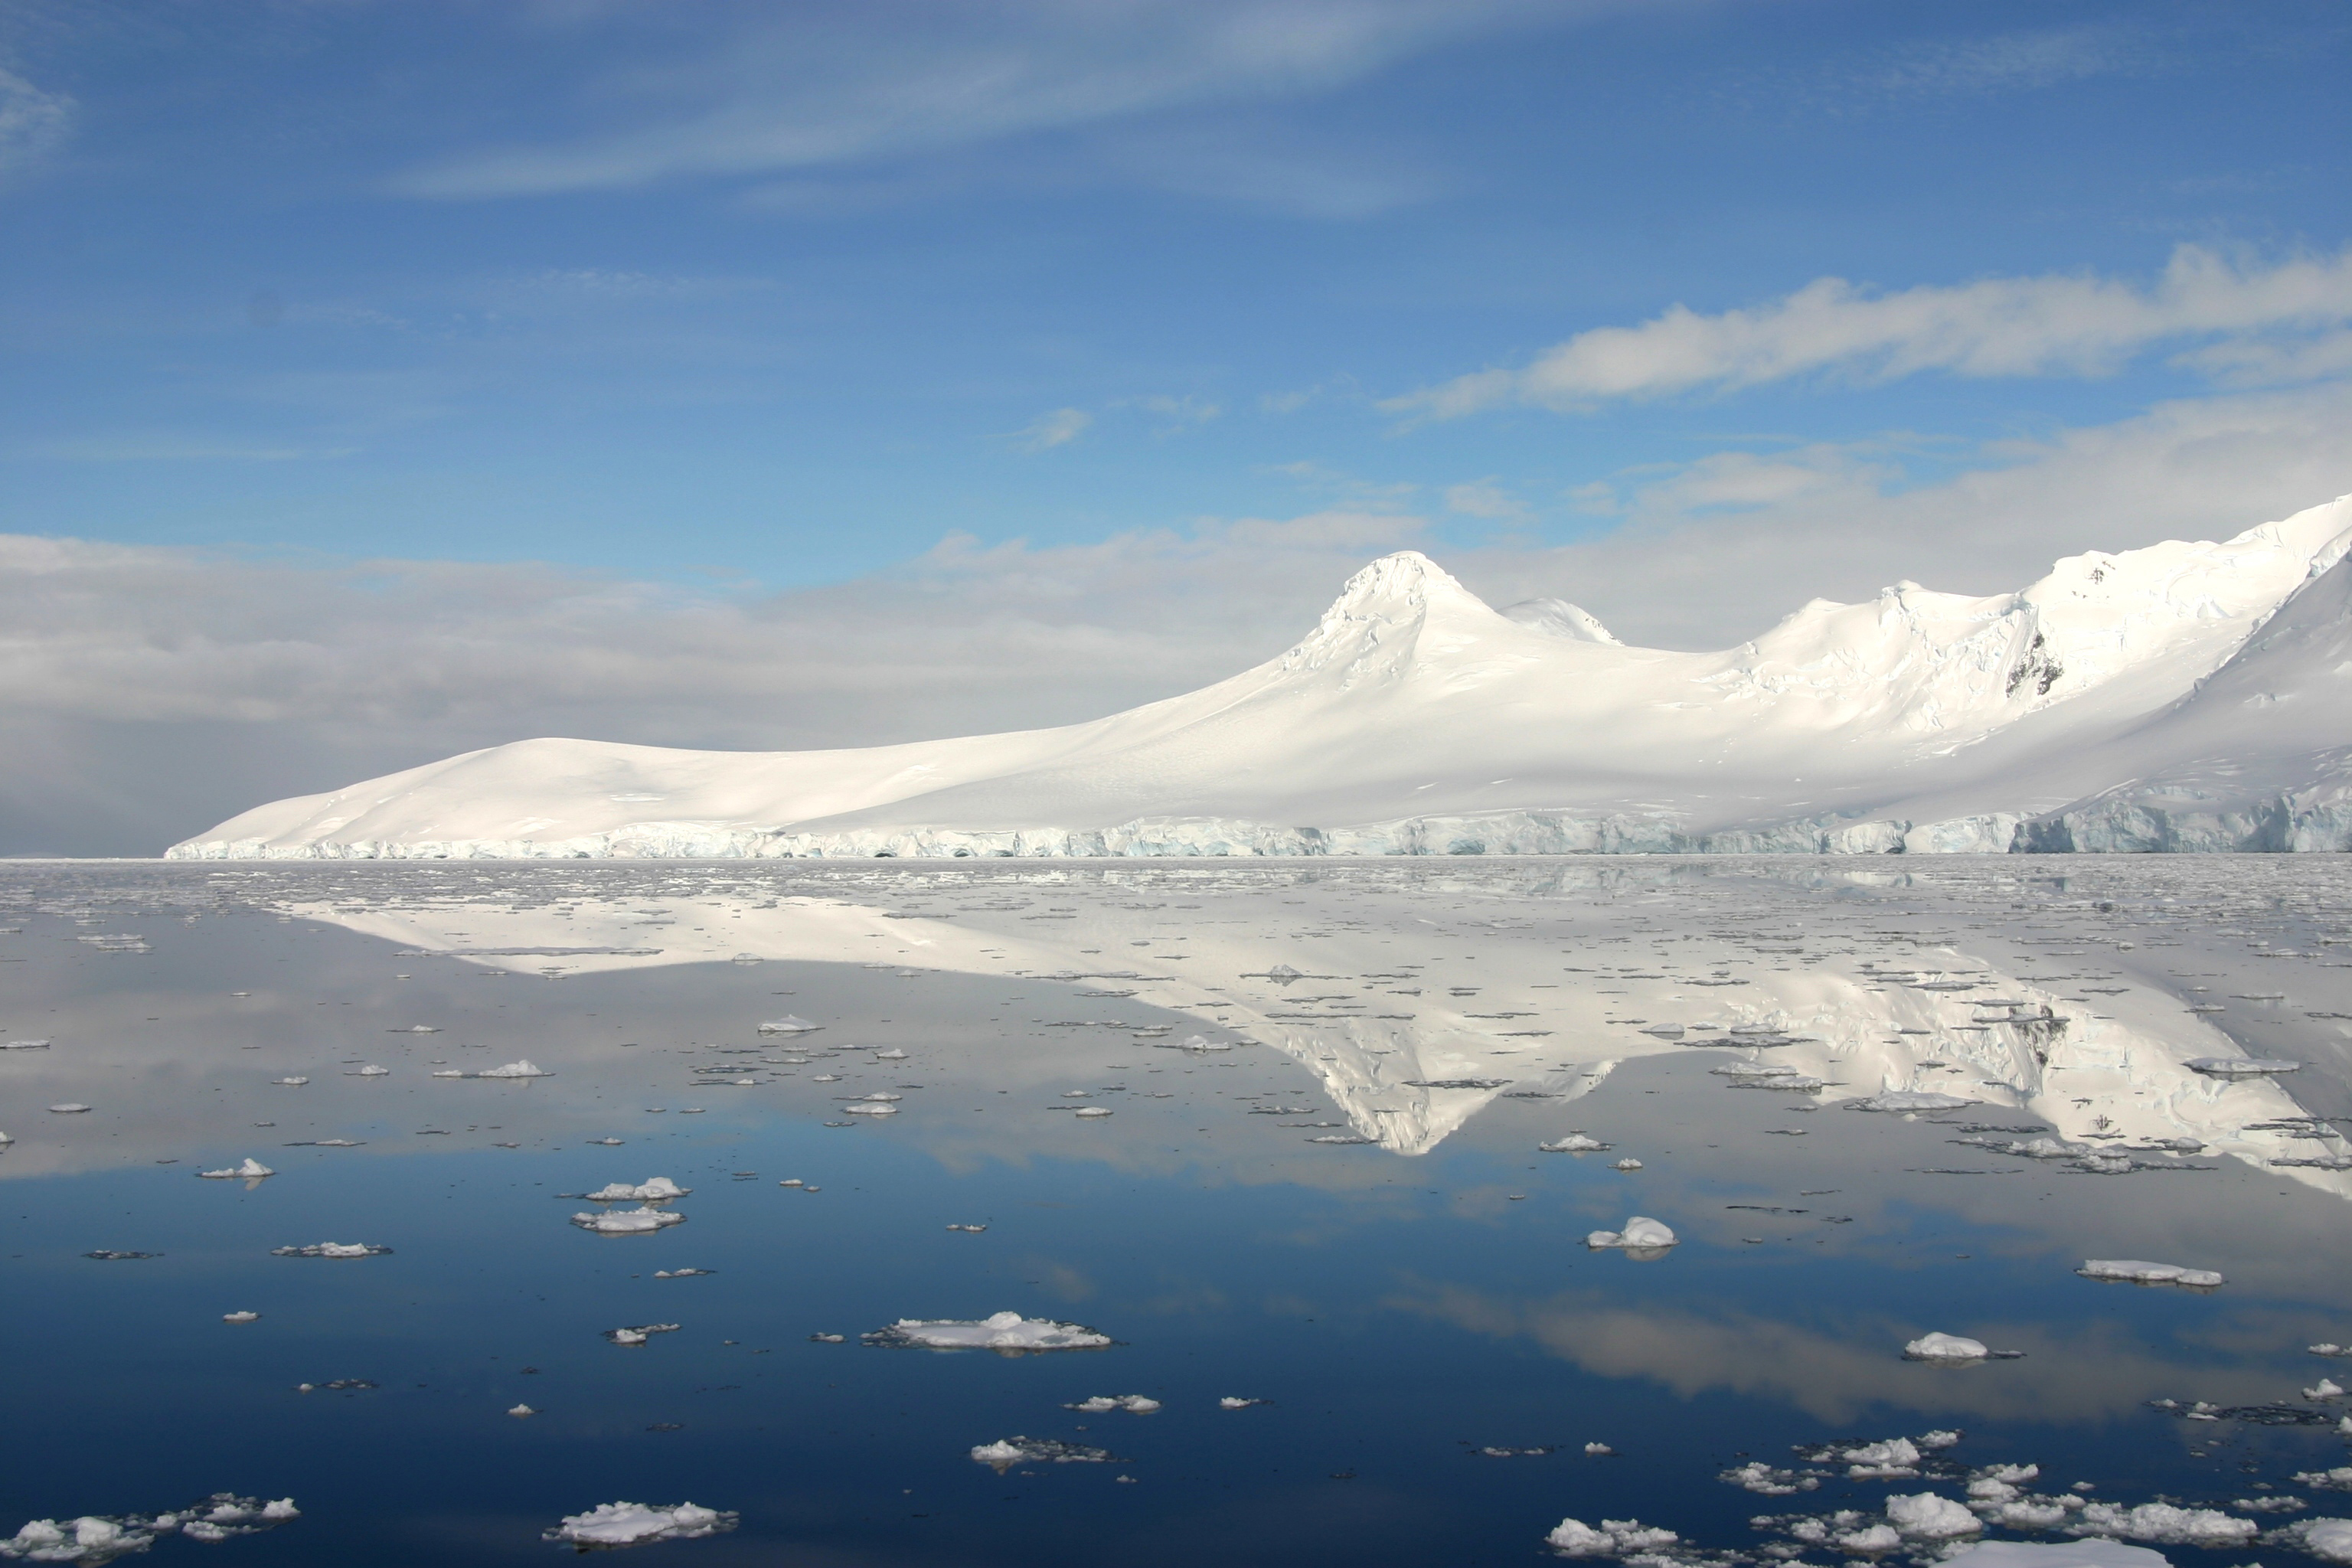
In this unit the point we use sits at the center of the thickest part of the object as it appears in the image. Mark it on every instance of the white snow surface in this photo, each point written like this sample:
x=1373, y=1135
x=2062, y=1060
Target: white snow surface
x=2184, y=696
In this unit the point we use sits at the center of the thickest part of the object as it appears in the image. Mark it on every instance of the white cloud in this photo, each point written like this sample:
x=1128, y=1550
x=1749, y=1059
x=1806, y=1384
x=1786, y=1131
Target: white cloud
x=797, y=89
x=2049, y=325
x=1058, y=429
x=33, y=123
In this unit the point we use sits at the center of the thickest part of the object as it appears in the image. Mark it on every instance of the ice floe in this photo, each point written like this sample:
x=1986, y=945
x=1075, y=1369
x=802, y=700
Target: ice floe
x=613, y=1524
x=789, y=1024
x=1133, y=1404
x=1907, y=1100
x=69, y=1107
x=1006, y=1452
x=2338, y=1479
x=244, y=1317
x=1939, y=1346
x=524, y=1068
x=252, y=1170
x=652, y=1189
x=520, y=1411
x=1769, y=1480
x=2139, y=1273
x=1007, y=1331
x=638, y=1333
x=1574, y=1143
x=1925, y=1516
x=102, y=1538
x=295, y=1083
x=1236, y=1402
x=1614, y=1538
x=627, y=1222
x=332, y=1249
x=2330, y=1540
x=2165, y=1524
x=24, y=1044
x=868, y=1107
x=1642, y=1234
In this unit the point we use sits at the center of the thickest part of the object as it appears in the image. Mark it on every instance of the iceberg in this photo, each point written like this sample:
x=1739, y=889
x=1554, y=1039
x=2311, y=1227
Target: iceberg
x=627, y=1222
x=1946, y=1347
x=613, y=1524
x=1641, y=1234
x=2141, y=1273
x=652, y=1189
x=251, y=1170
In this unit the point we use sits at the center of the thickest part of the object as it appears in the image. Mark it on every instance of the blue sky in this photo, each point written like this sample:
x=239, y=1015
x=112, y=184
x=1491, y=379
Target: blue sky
x=685, y=312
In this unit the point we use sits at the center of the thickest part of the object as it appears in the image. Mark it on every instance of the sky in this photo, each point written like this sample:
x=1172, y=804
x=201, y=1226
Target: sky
x=386, y=380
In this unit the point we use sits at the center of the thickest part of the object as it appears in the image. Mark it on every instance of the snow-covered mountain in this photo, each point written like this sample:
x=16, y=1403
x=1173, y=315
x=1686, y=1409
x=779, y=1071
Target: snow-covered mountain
x=2183, y=696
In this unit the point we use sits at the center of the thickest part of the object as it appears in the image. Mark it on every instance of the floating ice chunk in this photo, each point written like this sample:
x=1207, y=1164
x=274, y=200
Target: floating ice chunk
x=1133, y=1404
x=2335, y=1481
x=6, y=1140
x=251, y=1171
x=240, y=1316
x=1941, y=1438
x=652, y=1189
x=24, y=1044
x=1870, y=1539
x=2166, y=1525
x=2327, y=1389
x=1202, y=1043
x=682, y=1273
x=70, y=1108
x=1753, y=1070
x=2066, y=1555
x=295, y=1083
x=1615, y=1538
x=2330, y=1540
x=868, y=1107
x=638, y=1333
x=1093, y=1110
x=627, y=1222
x=520, y=1411
x=1940, y=1346
x=2139, y=1273
x=450, y=1072
x=2240, y=1067
x=893, y=1055
x=1894, y=1459
x=1007, y=1331
x=1768, y=1480
x=1640, y=1233
x=332, y=1249
x=1598, y=1450
x=1006, y=1452
x=1574, y=1143
x=1923, y=1516
x=789, y=1024
x=634, y=1523
x=416, y=1029
x=371, y=1070
x=1907, y=1100
x=1627, y=1164
x=522, y=1069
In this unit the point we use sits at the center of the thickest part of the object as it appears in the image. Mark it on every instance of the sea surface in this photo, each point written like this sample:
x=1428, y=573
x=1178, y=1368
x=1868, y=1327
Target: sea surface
x=1273, y=1129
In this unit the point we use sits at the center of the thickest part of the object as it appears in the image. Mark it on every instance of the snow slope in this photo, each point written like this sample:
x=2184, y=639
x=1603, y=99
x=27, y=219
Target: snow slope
x=1416, y=719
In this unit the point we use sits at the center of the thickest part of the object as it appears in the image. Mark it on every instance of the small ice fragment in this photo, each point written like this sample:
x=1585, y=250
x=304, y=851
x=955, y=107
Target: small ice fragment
x=520, y=1411
x=1598, y=1450
x=70, y=1108
x=627, y=1222
x=296, y=1082
x=634, y=1523
x=1627, y=1164
x=1093, y=1110
x=1574, y=1143
x=415, y=1029
x=1909, y=1101
x=240, y=1316
x=1235, y=1402
x=1640, y=1233
x=2240, y=1067
x=788, y=1025
x=1615, y=1538
x=371, y=1070
x=606, y=1142
x=1282, y=972
x=892, y=1055
x=1006, y=1452
x=522, y=1069
x=2141, y=1273
x=828, y=1339
x=867, y=1108
x=252, y=1170
x=332, y=1249
x=2328, y=1539
x=2327, y=1389
x=23, y=1046
x=638, y=1333
x=652, y=1189
x=1940, y=1346
x=792, y=1182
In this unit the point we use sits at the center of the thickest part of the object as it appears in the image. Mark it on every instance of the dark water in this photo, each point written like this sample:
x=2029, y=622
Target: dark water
x=1400, y=1301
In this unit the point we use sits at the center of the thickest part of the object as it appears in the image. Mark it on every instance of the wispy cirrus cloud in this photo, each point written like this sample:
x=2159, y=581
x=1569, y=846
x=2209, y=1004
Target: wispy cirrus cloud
x=33, y=122
x=795, y=90
x=2054, y=325
x=1058, y=427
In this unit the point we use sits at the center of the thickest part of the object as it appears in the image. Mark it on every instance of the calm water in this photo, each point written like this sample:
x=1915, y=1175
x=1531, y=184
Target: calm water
x=1333, y=1201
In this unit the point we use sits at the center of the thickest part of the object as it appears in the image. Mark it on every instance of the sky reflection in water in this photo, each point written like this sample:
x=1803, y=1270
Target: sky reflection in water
x=1408, y=1291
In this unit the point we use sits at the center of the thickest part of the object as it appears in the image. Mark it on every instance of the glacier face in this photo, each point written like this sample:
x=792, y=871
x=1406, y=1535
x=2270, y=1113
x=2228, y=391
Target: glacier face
x=2187, y=696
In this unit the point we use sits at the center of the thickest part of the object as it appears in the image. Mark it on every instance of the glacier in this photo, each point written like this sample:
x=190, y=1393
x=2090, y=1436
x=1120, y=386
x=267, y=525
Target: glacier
x=2189, y=696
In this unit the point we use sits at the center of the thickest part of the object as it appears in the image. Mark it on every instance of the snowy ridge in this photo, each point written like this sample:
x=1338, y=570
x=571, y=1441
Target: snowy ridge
x=2183, y=696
